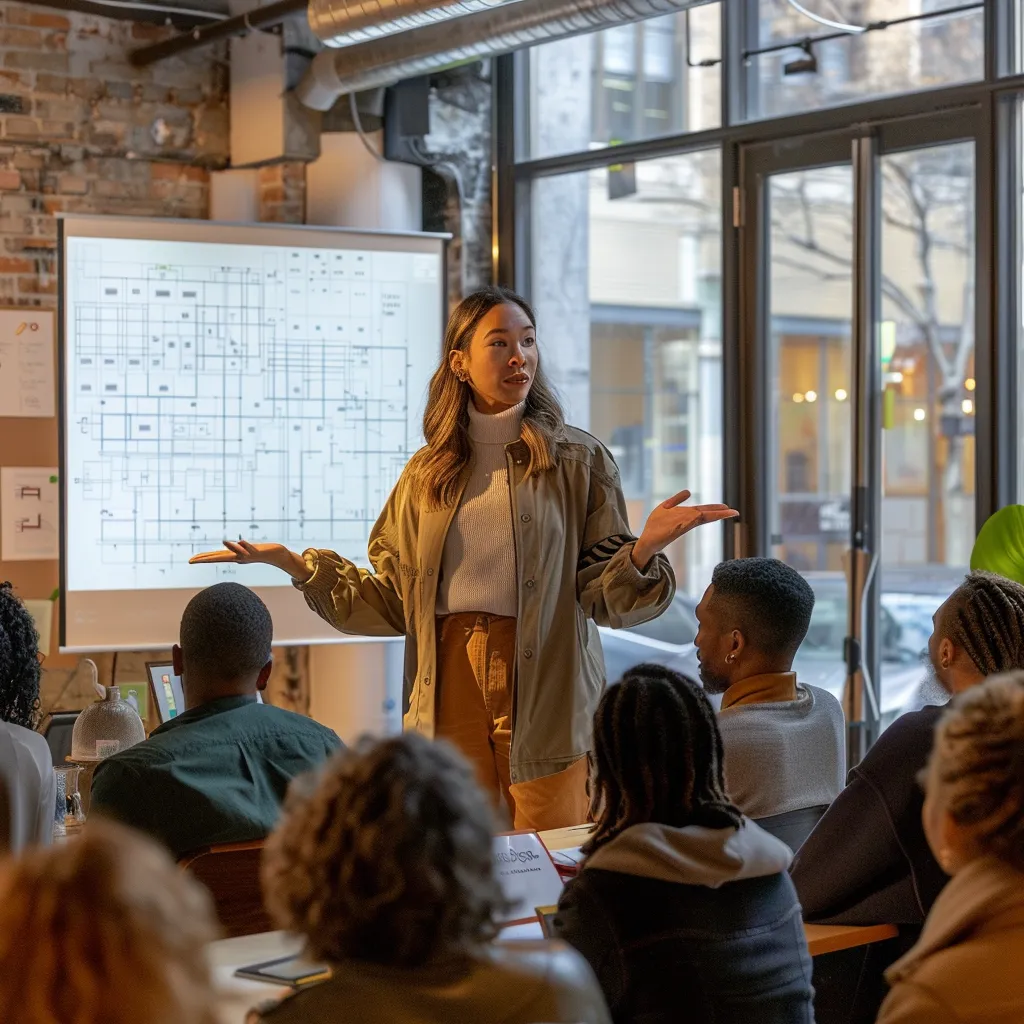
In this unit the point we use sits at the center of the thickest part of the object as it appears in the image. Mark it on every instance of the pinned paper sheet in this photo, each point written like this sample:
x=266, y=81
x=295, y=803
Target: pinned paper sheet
x=28, y=514
x=42, y=616
x=26, y=363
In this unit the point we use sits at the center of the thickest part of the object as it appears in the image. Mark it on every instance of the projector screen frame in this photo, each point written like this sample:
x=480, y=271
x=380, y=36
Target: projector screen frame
x=235, y=233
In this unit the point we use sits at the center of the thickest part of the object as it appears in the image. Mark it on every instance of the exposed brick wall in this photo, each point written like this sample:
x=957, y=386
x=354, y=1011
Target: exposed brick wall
x=81, y=130
x=282, y=193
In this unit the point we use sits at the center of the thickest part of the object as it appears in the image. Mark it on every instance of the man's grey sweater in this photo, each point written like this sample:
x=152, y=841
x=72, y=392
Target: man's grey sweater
x=784, y=756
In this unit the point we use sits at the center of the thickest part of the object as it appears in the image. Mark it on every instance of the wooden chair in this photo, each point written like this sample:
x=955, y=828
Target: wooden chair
x=231, y=872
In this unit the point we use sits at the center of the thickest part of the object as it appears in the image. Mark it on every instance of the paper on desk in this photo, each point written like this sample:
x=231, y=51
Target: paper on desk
x=42, y=616
x=28, y=514
x=26, y=363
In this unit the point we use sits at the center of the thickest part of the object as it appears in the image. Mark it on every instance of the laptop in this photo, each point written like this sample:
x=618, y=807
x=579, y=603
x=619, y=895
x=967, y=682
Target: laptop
x=168, y=696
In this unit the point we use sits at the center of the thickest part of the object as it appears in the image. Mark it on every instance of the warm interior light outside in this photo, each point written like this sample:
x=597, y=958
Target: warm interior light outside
x=919, y=415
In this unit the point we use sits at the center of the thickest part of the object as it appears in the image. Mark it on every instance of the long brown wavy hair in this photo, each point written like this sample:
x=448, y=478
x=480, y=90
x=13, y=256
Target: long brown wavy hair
x=446, y=419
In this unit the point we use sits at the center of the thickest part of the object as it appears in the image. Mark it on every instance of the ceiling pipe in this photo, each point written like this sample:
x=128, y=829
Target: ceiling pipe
x=347, y=22
x=257, y=18
x=333, y=73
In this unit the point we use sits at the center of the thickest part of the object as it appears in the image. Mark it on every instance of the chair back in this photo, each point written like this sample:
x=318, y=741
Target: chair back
x=793, y=827
x=231, y=872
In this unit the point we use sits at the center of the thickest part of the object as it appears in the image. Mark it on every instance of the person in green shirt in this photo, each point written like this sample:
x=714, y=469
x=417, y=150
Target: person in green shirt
x=219, y=772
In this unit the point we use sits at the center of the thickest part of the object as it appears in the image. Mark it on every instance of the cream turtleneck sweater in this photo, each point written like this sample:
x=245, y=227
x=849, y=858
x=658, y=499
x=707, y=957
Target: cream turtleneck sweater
x=478, y=567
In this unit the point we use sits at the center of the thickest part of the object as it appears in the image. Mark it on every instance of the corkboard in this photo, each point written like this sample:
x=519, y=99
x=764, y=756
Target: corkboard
x=32, y=441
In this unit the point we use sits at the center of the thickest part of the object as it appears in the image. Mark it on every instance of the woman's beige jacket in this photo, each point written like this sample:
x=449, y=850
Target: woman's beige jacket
x=573, y=548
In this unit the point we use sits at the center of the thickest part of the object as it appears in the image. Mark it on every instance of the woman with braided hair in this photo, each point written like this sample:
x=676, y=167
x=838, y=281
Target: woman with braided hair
x=966, y=967
x=681, y=901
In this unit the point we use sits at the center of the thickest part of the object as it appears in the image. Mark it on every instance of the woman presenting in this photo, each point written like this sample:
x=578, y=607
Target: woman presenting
x=501, y=548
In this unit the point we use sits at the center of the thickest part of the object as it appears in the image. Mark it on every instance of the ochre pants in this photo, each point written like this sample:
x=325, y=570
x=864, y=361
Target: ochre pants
x=476, y=676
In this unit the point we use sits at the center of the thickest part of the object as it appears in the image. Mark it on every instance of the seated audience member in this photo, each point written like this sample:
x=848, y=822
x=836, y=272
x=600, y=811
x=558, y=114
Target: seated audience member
x=785, y=741
x=219, y=772
x=683, y=907
x=966, y=967
x=25, y=763
x=867, y=861
x=387, y=869
x=103, y=930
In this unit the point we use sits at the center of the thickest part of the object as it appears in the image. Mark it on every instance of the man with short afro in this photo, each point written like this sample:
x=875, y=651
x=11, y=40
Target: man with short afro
x=219, y=772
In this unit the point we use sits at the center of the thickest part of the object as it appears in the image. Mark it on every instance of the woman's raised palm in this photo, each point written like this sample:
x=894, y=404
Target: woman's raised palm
x=244, y=553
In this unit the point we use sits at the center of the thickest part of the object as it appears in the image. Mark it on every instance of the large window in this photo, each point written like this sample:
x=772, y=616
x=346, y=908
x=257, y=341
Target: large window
x=852, y=406
x=635, y=81
x=626, y=278
x=855, y=50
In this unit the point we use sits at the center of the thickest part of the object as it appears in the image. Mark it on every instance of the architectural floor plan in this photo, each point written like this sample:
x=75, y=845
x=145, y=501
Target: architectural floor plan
x=215, y=391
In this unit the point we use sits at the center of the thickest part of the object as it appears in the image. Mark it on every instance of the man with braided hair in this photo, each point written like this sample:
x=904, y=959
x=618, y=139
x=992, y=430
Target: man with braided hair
x=867, y=861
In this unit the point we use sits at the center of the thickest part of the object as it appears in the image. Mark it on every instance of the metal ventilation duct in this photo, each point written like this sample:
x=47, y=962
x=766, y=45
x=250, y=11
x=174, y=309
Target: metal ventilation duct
x=346, y=22
x=511, y=26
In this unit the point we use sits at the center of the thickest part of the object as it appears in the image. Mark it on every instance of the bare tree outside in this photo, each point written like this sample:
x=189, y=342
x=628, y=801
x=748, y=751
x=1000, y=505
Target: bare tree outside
x=928, y=294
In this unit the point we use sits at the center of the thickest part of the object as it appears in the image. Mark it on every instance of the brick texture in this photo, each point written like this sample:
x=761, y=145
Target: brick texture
x=282, y=193
x=82, y=131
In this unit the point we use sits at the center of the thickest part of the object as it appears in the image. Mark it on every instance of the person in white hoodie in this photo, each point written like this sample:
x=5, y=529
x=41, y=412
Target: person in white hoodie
x=683, y=907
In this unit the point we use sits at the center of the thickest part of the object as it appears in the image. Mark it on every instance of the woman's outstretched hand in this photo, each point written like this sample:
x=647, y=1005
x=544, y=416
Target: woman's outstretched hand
x=671, y=519
x=243, y=552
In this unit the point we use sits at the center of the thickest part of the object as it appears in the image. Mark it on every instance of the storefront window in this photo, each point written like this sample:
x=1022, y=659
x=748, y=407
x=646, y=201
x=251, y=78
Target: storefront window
x=637, y=81
x=813, y=55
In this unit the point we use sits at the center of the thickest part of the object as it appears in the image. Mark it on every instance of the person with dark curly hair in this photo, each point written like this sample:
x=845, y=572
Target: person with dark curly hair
x=219, y=772
x=683, y=907
x=387, y=869
x=25, y=762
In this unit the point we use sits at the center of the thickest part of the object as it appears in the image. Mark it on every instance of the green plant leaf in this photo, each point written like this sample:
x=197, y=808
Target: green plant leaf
x=1000, y=544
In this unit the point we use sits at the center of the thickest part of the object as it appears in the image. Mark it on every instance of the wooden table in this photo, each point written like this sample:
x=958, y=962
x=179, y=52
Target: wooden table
x=238, y=996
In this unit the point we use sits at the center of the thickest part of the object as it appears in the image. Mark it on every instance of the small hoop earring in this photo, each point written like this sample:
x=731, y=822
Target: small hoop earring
x=731, y=658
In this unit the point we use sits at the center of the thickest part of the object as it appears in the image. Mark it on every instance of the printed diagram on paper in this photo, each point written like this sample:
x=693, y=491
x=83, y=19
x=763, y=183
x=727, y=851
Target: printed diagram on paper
x=217, y=391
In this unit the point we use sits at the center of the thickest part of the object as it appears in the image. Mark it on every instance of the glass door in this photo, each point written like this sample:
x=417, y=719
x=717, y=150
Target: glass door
x=859, y=316
x=799, y=252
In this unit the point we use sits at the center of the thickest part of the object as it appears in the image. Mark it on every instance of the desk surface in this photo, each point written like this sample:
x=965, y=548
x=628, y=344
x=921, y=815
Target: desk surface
x=239, y=995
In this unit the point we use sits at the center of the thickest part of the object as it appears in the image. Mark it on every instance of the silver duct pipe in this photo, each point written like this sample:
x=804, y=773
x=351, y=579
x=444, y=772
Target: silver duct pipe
x=346, y=22
x=385, y=61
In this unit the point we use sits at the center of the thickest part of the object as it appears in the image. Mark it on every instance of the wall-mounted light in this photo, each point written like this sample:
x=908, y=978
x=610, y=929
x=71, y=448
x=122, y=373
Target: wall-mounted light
x=811, y=396
x=841, y=395
x=807, y=65
x=968, y=406
x=970, y=383
x=798, y=398
x=919, y=415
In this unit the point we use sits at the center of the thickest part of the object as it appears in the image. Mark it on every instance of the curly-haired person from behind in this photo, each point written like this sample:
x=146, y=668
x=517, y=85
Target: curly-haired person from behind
x=387, y=869
x=104, y=930
x=966, y=967
x=683, y=907
x=26, y=765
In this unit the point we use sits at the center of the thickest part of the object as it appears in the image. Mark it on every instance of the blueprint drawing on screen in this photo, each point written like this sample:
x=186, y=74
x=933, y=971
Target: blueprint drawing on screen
x=217, y=390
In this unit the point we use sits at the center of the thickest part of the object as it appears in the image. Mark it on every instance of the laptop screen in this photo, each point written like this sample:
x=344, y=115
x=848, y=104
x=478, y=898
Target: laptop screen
x=167, y=691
